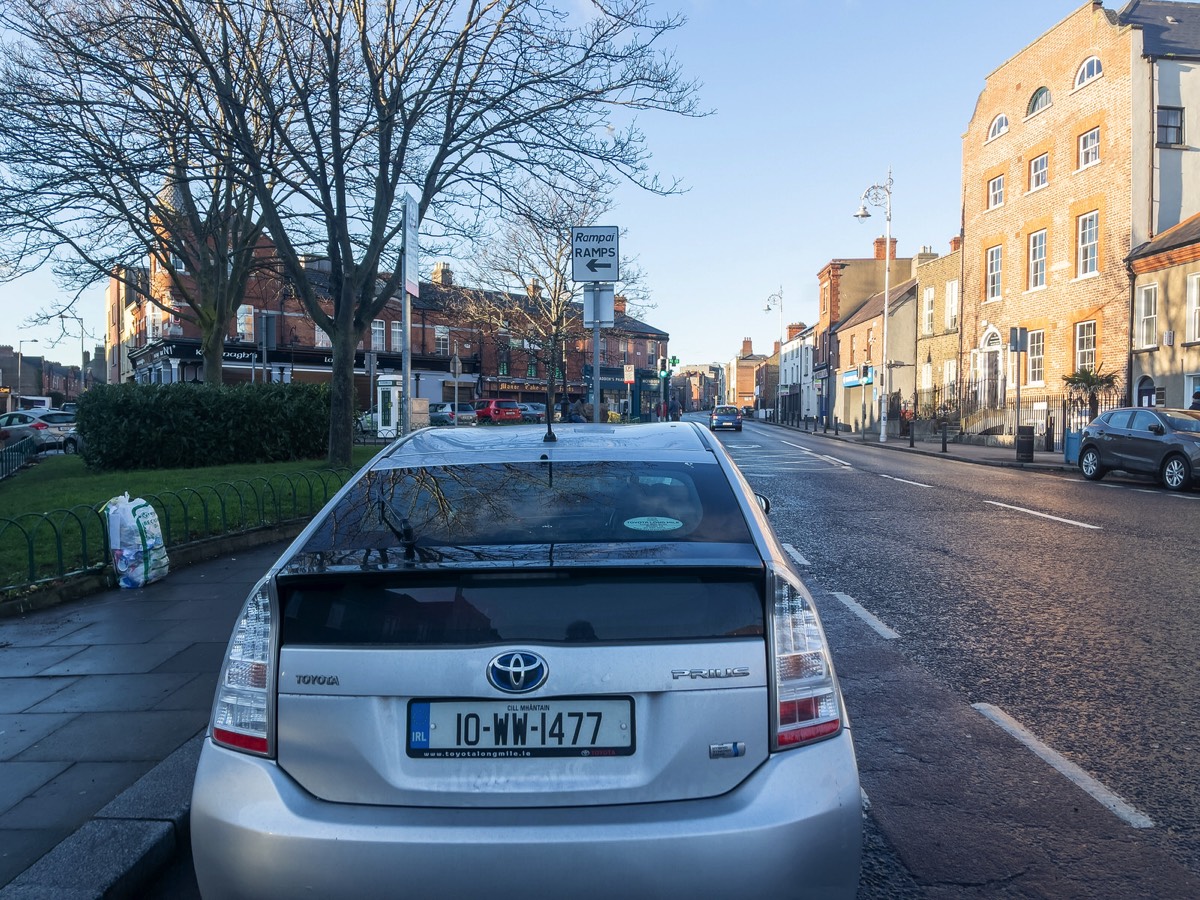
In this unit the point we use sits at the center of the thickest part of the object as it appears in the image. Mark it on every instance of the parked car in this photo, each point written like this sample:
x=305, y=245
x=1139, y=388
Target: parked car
x=496, y=412
x=584, y=668
x=1163, y=443
x=452, y=414
x=45, y=426
x=533, y=413
x=72, y=441
x=725, y=417
x=364, y=422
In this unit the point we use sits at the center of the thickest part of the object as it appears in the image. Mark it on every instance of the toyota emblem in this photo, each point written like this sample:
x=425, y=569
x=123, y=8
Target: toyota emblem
x=517, y=672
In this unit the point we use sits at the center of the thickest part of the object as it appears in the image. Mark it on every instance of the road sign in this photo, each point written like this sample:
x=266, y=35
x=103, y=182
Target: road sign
x=630, y=378
x=598, y=305
x=595, y=253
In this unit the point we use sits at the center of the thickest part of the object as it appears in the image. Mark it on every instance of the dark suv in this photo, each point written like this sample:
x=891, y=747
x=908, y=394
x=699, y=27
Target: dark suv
x=496, y=412
x=1163, y=443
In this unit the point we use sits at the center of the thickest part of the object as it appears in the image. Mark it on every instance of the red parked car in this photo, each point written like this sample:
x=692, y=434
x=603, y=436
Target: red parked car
x=497, y=412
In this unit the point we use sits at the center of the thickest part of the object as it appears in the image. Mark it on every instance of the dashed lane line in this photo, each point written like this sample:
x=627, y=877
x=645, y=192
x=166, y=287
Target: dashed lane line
x=1034, y=512
x=795, y=554
x=1064, y=766
x=904, y=480
x=833, y=459
x=868, y=617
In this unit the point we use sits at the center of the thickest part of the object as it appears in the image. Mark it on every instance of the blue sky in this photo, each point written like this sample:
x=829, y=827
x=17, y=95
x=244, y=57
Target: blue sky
x=812, y=102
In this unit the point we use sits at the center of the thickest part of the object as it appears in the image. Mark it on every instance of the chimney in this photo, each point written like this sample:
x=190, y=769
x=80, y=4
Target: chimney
x=442, y=274
x=747, y=347
x=956, y=243
x=925, y=255
x=794, y=330
x=880, y=243
x=534, y=289
x=619, y=305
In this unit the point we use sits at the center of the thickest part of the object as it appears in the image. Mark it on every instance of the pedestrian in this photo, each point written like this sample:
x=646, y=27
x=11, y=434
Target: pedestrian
x=577, y=411
x=1195, y=400
x=676, y=412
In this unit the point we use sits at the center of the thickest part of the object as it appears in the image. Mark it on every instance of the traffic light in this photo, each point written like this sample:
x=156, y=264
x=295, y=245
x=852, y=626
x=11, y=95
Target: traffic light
x=662, y=367
x=866, y=371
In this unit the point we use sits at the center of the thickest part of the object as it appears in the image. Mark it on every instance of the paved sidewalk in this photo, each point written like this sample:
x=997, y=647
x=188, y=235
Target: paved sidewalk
x=103, y=703
x=972, y=453
x=94, y=696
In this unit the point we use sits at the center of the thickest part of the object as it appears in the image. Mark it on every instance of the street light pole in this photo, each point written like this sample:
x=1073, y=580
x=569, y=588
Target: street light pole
x=881, y=195
x=21, y=359
x=775, y=301
x=79, y=387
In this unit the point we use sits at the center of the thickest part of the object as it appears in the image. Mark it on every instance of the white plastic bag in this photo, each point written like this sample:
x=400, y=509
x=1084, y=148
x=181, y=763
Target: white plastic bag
x=136, y=541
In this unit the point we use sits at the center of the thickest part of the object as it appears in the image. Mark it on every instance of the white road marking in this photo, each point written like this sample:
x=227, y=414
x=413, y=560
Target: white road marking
x=1034, y=512
x=795, y=554
x=905, y=480
x=854, y=607
x=833, y=459
x=1082, y=779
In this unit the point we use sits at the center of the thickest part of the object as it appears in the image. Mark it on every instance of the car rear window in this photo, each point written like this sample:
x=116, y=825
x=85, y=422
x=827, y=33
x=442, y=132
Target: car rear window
x=577, y=606
x=62, y=418
x=539, y=502
x=726, y=411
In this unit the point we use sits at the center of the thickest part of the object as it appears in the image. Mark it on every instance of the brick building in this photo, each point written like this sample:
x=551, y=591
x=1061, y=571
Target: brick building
x=843, y=286
x=1166, y=317
x=1074, y=155
x=938, y=310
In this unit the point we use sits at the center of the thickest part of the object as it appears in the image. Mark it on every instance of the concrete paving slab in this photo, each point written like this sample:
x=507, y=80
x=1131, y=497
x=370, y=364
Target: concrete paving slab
x=19, y=780
x=18, y=694
x=113, y=693
x=199, y=657
x=19, y=846
x=115, y=659
x=197, y=693
x=137, y=631
x=117, y=736
x=73, y=796
x=23, y=730
x=19, y=661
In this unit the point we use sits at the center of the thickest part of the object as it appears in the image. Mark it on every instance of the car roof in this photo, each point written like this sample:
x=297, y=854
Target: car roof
x=660, y=440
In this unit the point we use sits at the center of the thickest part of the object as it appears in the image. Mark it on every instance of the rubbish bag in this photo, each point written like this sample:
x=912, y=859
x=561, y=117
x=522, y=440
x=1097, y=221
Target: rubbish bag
x=136, y=542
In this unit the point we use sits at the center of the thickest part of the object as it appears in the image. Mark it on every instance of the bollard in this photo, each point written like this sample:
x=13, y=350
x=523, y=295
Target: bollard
x=835, y=426
x=825, y=425
x=945, y=428
x=912, y=432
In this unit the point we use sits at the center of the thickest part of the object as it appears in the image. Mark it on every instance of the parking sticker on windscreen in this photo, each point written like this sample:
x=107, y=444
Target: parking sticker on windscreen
x=653, y=523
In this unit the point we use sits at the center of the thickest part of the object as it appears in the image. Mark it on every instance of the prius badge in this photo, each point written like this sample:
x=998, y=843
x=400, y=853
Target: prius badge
x=517, y=672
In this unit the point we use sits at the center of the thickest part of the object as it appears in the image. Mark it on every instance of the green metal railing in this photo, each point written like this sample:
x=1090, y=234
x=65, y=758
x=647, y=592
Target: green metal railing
x=37, y=548
x=16, y=455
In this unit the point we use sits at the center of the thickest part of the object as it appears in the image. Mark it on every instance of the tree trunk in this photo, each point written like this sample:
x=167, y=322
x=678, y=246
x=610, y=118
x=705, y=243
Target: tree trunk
x=212, y=349
x=341, y=391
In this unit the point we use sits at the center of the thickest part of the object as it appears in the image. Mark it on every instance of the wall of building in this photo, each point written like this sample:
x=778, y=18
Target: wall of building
x=1067, y=299
x=937, y=351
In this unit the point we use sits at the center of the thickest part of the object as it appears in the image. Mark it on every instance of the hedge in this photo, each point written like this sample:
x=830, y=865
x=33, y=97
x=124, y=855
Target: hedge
x=181, y=425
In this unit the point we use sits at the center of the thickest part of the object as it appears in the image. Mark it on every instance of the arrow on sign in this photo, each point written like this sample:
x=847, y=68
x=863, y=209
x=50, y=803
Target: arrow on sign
x=593, y=265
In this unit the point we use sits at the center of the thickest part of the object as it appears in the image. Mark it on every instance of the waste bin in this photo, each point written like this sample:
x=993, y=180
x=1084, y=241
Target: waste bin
x=1071, y=442
x=1024, y=443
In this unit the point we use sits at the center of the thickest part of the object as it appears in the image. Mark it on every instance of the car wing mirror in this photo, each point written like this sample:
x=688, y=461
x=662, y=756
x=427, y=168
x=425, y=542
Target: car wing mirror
x=1157, y=429
x=763, y=503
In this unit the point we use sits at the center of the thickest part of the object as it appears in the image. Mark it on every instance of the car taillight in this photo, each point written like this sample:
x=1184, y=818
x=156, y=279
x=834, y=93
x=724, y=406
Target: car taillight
x=241, y=711
x=807, y=705
x=451, y=416
x=38, y=426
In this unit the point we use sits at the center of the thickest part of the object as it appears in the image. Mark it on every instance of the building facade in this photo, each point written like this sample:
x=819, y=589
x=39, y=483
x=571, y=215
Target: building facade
x=1165, y=368
x=1077, y=151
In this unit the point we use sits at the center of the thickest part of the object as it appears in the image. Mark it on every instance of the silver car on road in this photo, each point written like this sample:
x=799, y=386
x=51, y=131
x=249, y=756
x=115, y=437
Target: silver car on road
x=500, y=666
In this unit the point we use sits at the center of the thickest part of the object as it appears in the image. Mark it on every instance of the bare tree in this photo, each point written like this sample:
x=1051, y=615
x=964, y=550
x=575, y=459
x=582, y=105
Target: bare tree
x=461, y=102
x=111, y=151
x=526, y=296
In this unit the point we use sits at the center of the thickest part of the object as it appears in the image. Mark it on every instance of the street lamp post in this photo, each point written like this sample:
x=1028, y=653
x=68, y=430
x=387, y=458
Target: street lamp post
x=881, y=195
x=21, y=359
x=79, y=387
x=775, y=301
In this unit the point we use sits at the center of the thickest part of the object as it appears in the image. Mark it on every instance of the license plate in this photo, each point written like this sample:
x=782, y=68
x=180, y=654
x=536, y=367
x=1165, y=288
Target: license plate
x=571, y=726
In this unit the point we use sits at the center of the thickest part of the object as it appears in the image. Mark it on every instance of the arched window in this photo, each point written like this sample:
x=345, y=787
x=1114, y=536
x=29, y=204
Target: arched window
x=1091, y=68
x=999, y=126
x=1039, y=101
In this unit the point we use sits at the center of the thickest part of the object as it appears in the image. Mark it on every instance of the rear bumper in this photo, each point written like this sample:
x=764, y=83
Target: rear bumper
x=794, y=828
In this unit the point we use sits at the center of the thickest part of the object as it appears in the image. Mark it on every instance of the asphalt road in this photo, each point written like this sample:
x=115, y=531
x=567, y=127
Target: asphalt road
x=1063, y=606
x=965, y=600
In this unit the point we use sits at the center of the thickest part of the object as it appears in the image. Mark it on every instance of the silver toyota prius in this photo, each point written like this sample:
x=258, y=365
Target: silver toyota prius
x=499, y=666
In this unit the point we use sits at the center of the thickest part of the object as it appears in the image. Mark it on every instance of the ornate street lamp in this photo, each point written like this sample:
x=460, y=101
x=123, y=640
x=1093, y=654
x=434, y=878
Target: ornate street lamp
x=881, y=195
x=20, y=359
x=775, y=301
